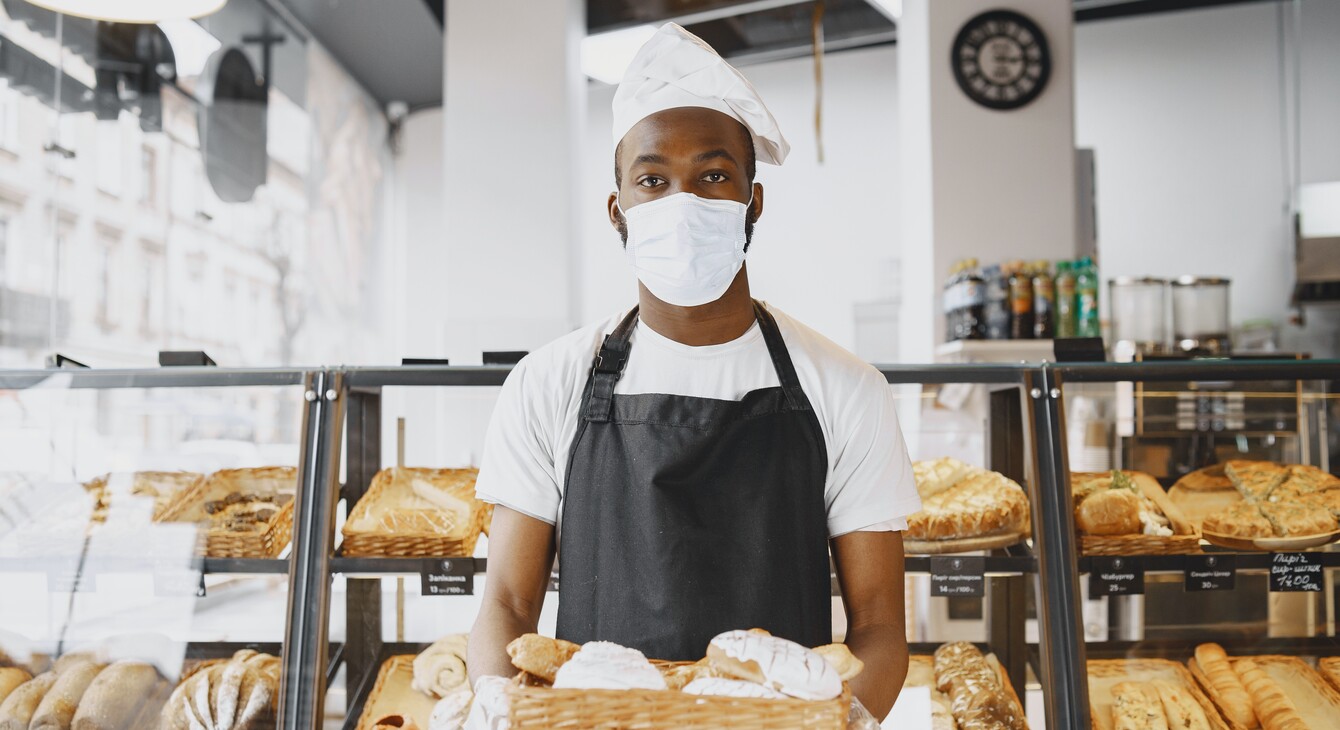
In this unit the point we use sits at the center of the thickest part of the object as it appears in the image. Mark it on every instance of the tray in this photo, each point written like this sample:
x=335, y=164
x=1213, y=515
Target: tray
x=544, y=707
x=416, y=539
x=1317, y=702
x=393, y=695
x=1280, y=544
x=1184, y=540
x=268, y=540
x=1106, y=673
x=962, y=544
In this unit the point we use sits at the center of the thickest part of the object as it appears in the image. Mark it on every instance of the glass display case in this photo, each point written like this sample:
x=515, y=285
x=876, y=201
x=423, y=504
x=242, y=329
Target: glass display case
x=1239, y=458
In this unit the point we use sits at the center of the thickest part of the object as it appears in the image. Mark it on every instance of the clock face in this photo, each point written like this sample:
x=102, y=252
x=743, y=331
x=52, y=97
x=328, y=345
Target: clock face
x=1000, y=59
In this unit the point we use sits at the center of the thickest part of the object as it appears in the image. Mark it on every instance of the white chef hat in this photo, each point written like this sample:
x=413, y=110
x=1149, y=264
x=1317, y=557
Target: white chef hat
x=676, y=68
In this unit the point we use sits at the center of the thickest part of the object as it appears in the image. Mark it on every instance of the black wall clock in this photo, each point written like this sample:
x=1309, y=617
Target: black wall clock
x=1000, y=59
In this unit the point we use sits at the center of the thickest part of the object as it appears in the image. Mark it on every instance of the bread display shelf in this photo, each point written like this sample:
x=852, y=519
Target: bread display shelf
x=1185, y=539
x=377, y=528
x=1104, y=674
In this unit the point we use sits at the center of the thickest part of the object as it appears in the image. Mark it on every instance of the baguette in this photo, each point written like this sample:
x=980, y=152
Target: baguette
x=1274, y=708
x=117, y=697
x=1181, y=711
x=16, y=712
x=10, y=679
x=1225, y=685
x=1136, y=706
x=60, y=703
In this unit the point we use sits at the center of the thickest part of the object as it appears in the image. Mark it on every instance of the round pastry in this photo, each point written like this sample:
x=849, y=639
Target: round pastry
x=841, y=659
x=440, y=669
x=540, y=655
x=722, y=687
x=678, y=677
x=1109, y=512
x=775, y=662
x=604, y=665
x=451, y=711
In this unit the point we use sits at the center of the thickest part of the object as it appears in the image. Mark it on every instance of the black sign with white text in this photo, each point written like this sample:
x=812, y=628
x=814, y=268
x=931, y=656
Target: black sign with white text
x=1295, y=573
x=1211, y=572
x=958, y=576
x=447, y=577
x=1123, y=576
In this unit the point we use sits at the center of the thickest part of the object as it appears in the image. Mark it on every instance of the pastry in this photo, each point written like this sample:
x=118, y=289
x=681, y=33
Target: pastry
x=16, y=712
x=1328, y=500
x=1292, y=519
x=160, y=486
x=1209, y=479
x=237, y=500
x=1329, y=667
x=451, y=711
x=1224, y=685
x=722, y=687
x=119, y=696
x=540, y=655
x=236, y=694
x=440, y=669
x=1305, y=479
x=395, y=721
x=10, y=679
x=933, y=477
x=1109, y=512
x=679, y=676
x=61, y=701
x=838, y=655
x=1255, y=479
x=605, y=665
x=775, y=662
x=1241, y=519
x=420, y=501
x=1179, y=710
x=1136, y=706
x=983, y=503
x=1274, y=708
x=976, y=697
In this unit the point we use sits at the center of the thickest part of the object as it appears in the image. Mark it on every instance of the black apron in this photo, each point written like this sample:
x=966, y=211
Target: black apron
x=684, y=517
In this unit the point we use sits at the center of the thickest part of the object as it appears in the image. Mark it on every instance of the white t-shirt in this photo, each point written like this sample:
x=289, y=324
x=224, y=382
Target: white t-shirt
x=869, y=483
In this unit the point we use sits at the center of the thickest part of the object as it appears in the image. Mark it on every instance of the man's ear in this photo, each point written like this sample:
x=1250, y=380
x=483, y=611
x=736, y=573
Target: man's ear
x=616, y=217
x=756, y=208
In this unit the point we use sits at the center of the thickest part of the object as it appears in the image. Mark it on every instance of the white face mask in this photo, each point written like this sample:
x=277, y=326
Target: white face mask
x=686, y=249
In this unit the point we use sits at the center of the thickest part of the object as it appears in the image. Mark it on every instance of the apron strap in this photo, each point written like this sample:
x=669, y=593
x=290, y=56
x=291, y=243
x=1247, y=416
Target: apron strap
x=781, y=359
x=608, y=368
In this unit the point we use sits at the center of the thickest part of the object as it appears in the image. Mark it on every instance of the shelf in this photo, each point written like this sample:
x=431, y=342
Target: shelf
x=391, y=566
x=1177, y=563
x=174, y=377
x=210, y=566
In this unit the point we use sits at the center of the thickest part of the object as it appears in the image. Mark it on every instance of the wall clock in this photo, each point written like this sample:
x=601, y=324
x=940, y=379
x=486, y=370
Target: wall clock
x=1001, y=60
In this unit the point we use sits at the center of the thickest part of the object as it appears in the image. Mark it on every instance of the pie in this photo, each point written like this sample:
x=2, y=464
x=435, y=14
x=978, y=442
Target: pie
x=983, y=503
x=936, y=476
x=1255, y=479
x=1304, y=479
x=1328, y=500
x=1242, y=519
x=1209, y=479
x=1291, y=519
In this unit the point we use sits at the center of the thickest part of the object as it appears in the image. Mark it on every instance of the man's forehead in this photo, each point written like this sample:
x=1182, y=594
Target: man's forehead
x=683, y=129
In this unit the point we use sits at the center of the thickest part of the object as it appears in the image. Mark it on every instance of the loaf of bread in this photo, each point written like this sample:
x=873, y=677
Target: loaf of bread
x=1179, y=710
x=10, y=679
x=1109, y=512
x=61, y=702
x=120, y=696
x=975, y=696
x=16, y=712
x=540, y=656
x=1274, y=708
x=1224, y=685
x=1136, y=706
x=237, y=694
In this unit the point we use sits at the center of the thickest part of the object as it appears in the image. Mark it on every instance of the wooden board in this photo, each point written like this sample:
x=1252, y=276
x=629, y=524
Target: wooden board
x=1199, y=504
x=960, y=545
x=1106, y=673
x=1318, y=703
x=393, y=695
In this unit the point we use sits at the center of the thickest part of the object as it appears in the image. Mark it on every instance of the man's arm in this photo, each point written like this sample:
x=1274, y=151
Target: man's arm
x=521, y=552
x=870, y=570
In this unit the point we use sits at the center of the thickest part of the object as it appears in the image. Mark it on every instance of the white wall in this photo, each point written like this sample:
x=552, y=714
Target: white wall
x=1183, y=110
x=828, y=233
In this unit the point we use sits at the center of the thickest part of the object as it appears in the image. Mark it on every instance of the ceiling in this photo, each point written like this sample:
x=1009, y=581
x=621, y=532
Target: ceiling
x=394, y=47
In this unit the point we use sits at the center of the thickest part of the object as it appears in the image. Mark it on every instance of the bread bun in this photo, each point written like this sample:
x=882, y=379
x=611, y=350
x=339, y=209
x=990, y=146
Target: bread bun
x=1109, y=512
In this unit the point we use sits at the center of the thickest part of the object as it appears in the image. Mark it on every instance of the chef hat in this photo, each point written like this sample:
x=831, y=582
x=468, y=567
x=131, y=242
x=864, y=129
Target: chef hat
x=675, y=68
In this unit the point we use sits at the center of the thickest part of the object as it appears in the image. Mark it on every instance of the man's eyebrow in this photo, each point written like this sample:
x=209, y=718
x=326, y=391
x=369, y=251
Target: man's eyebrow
x=649, y=159
x=720, y=152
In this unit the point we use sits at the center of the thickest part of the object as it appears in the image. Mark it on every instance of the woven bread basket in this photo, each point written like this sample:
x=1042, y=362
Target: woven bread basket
x=268, y=540
x=411, y=541
x=1184, y=540
x=534, y=707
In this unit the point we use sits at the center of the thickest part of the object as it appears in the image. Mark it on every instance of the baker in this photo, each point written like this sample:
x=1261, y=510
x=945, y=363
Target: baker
x=694, y=459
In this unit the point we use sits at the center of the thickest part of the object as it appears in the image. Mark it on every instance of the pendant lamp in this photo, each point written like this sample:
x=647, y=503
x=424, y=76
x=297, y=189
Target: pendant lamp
x=133, y=11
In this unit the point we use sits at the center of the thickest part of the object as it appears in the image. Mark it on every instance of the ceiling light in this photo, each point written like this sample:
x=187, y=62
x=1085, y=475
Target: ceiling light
x=605, y=56
x=133, y=11
x=191, y=45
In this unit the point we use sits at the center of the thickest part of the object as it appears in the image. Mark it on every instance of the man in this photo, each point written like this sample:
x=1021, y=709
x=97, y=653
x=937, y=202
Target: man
x=694, y=459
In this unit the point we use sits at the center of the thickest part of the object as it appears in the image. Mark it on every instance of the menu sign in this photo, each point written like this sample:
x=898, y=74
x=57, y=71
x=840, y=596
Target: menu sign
x=1211, y=572
x=1122, y=576
x=449, y=577
x=958, y=576
x=1295, y=573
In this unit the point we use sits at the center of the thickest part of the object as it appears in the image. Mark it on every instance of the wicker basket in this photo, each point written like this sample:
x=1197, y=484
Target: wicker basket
x=1184, y=541
x=393, y=695
x=267, y=540
x=411, y=541
x=1104, y=674
x=536, y=707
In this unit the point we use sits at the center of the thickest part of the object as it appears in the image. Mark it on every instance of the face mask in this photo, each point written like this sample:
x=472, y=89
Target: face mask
x=686, y=249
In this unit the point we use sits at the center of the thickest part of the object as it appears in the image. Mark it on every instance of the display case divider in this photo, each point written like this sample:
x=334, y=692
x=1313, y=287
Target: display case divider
x=363, y=596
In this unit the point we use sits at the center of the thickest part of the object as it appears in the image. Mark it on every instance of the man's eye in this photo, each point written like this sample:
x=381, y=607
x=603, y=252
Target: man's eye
x=715, y=177
x=650, y=181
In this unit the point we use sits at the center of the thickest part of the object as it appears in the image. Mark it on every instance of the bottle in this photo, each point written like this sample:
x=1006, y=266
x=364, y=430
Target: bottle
x=997, y=309
x=972, y=313
x=1044, y=301
x=1065, y=300
x=1021, y=303
x=949, y=300
x=1086, y=295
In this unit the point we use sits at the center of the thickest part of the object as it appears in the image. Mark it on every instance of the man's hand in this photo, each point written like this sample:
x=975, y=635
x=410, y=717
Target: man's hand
x=870, y=571
x=521, y=552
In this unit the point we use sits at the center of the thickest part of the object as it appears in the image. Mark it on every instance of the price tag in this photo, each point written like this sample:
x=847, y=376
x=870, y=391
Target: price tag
x=448, y=577
x=1211, y=572
x=179, y=582
x=553, y=580
x=958, y=576
x=1295, y=573
x=1116, y=577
